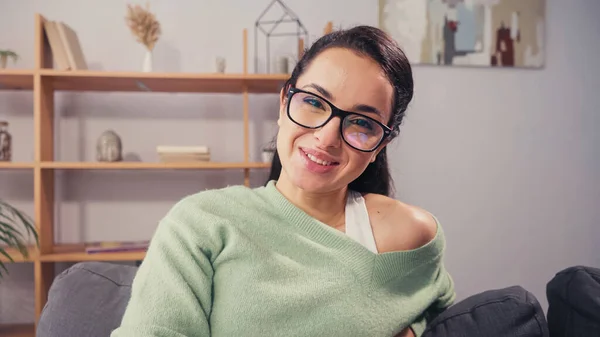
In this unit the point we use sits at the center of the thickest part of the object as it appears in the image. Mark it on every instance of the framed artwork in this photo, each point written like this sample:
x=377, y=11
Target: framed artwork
x=487, y=33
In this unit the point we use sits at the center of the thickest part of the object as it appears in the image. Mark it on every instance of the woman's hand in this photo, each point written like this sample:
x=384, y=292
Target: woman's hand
x=406, y=333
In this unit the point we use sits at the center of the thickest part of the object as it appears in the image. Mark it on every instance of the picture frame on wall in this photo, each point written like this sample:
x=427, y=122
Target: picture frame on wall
x=479, y=33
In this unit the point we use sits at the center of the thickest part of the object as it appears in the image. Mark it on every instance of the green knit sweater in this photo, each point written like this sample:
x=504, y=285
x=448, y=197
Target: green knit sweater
x=246, y=262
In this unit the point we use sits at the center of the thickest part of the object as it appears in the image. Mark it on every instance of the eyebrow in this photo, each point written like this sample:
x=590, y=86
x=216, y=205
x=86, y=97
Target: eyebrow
x=358, y=107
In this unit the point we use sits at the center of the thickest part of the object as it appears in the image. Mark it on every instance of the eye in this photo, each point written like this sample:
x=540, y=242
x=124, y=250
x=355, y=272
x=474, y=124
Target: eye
x=363, y=123
x=314, y=102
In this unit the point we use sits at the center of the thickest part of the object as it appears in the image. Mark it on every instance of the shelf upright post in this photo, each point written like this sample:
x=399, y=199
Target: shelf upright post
x=43, y=115
x=246, y=114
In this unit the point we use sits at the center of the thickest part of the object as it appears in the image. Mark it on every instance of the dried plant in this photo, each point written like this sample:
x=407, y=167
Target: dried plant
x=143, y=25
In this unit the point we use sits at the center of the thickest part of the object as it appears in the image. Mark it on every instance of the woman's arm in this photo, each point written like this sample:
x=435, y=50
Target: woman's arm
x=171, y=294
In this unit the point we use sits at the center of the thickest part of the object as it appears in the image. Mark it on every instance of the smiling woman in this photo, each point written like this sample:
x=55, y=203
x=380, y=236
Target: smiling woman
x=320, y=250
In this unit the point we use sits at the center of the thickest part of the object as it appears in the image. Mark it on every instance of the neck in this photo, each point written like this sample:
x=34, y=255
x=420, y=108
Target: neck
x=327, y=207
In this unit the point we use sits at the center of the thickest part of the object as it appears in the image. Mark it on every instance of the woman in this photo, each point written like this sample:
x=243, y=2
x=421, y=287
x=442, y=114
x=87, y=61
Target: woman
x=320, y=250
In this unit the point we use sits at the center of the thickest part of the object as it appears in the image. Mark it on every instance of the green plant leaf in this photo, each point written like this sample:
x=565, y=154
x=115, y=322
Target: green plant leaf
x=14, y=241
x=10, y=221
x=3, y=252
x=7, y=229
x=27, y=223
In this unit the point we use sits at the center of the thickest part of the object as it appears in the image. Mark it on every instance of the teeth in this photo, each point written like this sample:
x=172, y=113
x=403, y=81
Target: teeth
x=317, y=160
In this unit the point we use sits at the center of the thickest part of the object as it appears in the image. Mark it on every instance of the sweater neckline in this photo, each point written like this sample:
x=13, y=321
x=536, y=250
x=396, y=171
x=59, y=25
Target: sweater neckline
x=369, y=266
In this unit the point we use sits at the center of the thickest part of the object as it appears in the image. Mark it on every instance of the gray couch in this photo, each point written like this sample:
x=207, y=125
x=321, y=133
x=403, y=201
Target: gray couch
x=89, y=299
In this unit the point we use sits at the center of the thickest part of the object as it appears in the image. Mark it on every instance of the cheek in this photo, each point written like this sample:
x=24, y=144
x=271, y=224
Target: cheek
x=358, y=160
x=288, y=134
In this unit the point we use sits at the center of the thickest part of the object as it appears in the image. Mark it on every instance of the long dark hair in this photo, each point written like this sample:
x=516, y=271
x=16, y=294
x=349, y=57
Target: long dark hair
x=376, y=44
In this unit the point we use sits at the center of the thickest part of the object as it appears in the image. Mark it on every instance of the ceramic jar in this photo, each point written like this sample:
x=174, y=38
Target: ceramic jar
x=5, y=142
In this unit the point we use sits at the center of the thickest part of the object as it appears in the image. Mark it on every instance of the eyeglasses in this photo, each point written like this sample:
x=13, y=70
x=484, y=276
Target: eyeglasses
x=312, y=111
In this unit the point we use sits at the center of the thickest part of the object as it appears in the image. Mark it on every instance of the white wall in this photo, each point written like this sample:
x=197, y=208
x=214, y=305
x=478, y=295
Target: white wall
x=507, y=159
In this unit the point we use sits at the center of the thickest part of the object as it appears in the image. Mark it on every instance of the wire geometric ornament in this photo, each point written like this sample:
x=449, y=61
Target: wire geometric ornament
x=262, y=25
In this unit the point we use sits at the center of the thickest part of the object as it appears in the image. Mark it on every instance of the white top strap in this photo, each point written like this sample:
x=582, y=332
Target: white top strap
x=358, y=226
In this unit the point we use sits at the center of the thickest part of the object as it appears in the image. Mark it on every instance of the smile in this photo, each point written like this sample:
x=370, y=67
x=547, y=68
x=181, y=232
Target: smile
x=318, y=161
x=313, y=158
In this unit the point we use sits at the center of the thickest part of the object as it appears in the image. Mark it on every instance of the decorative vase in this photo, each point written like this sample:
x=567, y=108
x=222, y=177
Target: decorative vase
x=147, y=67
x=3, y=61
x=109, y=147
x=5, y=142
x=220, y=64
x=282, y=65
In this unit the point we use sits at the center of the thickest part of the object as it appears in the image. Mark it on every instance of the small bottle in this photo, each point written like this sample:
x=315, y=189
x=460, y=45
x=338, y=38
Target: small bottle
x=5, y=142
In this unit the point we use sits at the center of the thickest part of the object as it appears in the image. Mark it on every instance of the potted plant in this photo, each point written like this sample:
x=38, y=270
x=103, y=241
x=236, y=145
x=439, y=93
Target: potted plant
x=5, y=54
x=10, y=235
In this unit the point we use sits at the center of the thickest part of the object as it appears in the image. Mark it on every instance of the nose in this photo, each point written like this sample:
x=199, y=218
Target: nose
x=329, y=134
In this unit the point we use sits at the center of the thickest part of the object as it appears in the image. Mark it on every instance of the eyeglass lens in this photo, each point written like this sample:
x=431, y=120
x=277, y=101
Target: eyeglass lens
x=311, y=111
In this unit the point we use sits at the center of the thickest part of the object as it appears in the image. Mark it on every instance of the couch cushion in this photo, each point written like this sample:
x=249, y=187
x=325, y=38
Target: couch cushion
x=507, y=312
x=88, y=299
x=574, y=302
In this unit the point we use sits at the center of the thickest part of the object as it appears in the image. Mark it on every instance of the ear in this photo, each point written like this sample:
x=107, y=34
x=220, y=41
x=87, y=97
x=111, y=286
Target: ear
x=282, y=103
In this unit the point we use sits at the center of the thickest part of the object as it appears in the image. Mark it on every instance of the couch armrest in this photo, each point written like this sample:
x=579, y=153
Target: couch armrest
x=506, y=312
x=88, y=299
x=574, y=302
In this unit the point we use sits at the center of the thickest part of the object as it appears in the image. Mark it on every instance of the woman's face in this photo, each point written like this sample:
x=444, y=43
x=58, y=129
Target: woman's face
x=318, y=160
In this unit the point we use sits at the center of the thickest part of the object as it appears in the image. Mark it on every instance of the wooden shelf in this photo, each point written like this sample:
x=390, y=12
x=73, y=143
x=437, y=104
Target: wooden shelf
x=76, y=253
x=18, y=258
x=16, y=79
x=45, y=83
x=17, y=330
x=151, y=166
x=16, y=165
x=163, y=82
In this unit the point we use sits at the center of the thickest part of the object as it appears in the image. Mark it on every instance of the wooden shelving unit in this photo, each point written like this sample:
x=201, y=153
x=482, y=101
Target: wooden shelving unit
x=16, y=79
x=45, y=82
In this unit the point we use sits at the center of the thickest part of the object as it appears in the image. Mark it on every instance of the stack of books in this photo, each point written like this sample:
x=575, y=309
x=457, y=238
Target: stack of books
x=170, y=154
x=65, y=46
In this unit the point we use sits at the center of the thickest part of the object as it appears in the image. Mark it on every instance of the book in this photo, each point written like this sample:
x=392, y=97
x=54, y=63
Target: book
x=56, y=46
x=165, y=149
x=183, y=157
x=116, y=246
x=72, y=47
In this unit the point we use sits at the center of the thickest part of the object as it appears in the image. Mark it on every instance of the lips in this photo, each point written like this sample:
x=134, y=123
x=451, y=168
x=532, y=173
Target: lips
x=319, y=157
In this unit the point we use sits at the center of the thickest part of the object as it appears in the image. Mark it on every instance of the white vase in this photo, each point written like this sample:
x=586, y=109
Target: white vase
x=220, y=64
x=147, y=62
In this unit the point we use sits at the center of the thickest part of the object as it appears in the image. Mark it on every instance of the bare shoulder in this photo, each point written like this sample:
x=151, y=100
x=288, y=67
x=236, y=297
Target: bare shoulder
x=398, y=226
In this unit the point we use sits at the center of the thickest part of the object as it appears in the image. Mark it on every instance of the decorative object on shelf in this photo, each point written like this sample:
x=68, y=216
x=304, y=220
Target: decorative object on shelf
x=145, y=27
x=5, y=54
x=117, y=246
x=267, y=154
x=283, y=65
x=220, y=64
x=178, y=154
x=109, y=147
x=5, y=142
x=267, y=25
x=484, y=33
x=10, y=219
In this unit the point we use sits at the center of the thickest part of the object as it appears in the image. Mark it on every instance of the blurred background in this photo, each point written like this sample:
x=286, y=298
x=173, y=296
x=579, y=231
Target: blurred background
x=500, y=142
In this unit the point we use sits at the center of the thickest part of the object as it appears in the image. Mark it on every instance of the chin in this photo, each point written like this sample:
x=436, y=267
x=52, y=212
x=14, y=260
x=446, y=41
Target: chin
x=313, y=182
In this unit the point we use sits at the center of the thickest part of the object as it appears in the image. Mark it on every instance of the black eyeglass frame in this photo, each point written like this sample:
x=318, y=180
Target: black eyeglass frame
x=336, y=112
